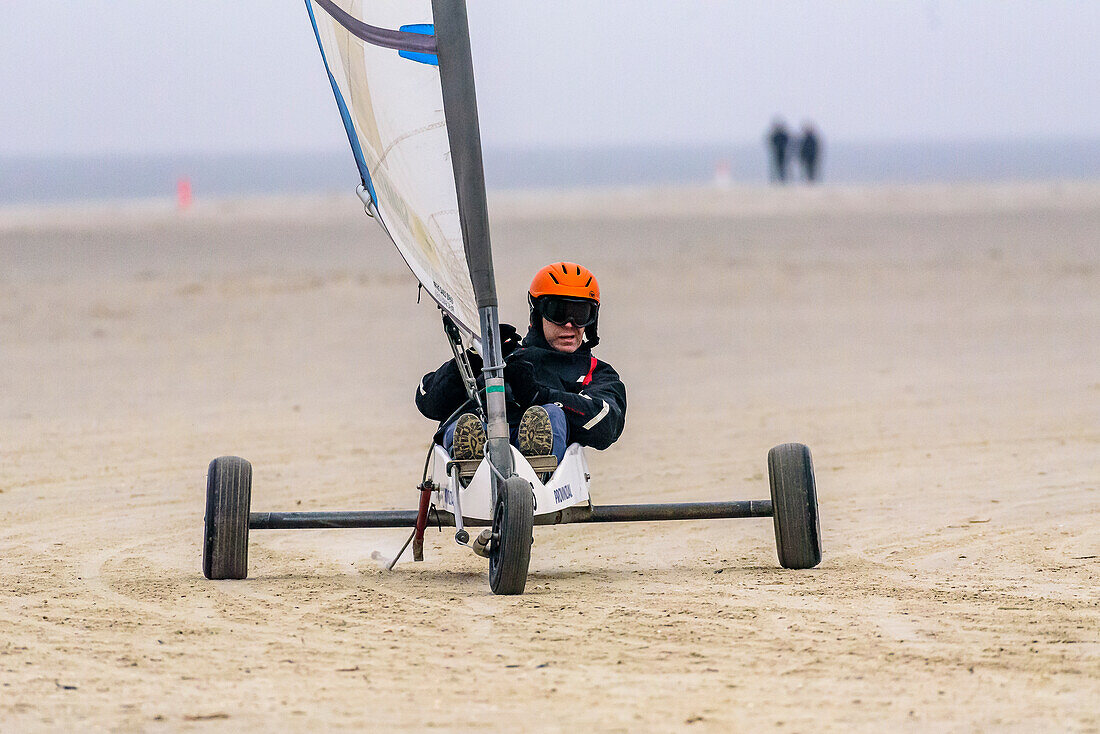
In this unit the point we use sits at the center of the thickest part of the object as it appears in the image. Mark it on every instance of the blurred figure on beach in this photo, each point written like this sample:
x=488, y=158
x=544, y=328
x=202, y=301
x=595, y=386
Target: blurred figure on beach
x=778, y=140
x=809, y=152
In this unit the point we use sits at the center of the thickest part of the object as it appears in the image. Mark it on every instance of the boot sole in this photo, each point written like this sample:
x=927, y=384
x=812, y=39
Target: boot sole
x=536, y=437
x=469, y=438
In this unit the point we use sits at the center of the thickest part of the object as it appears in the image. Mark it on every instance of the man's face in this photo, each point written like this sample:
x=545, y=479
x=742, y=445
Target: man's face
x=566, y=338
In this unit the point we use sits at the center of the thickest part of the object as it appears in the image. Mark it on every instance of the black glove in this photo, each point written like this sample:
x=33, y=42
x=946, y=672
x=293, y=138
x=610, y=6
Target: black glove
x=509, y=342
x=520, y=376
x=475, y=361
x=509, y=339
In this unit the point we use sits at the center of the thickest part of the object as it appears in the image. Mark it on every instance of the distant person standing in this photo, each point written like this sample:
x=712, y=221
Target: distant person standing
x=809, y=152
x=779, y=140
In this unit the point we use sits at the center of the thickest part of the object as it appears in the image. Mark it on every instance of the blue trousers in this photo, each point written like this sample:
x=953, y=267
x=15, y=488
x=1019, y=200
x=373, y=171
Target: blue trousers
x=558, y=426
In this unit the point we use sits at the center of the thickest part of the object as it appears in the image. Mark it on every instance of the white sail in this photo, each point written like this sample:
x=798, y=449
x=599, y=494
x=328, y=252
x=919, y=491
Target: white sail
x=387, y=85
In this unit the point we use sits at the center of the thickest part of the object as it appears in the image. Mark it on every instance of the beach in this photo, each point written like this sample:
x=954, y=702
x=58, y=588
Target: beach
x=936, y=346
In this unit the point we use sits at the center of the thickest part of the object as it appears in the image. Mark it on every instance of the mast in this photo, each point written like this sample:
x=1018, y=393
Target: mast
x=456, y=72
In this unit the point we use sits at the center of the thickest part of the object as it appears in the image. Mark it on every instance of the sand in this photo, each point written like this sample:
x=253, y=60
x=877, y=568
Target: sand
x=936, y=347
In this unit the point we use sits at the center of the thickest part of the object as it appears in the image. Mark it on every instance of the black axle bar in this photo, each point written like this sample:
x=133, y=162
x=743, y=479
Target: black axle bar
x=577, y=513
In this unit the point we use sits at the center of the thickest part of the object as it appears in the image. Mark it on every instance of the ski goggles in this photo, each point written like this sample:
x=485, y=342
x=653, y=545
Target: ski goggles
x=561, y=311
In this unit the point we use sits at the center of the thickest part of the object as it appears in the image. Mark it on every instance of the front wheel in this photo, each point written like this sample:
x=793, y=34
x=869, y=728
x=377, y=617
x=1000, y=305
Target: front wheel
x=794, y=506
x=510, y=545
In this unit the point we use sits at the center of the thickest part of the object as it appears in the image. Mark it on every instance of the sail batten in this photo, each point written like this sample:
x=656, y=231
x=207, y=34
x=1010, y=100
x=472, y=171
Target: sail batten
x=398, y=40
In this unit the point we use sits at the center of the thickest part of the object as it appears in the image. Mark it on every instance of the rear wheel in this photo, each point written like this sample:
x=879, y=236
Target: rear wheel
x=510, y=547
x=794, y=506
x=228, y=495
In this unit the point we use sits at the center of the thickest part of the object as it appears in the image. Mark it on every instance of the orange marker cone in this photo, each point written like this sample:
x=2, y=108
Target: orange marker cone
x=183, y=192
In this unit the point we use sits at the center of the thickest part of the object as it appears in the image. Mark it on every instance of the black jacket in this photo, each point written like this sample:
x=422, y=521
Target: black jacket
x=588, y=390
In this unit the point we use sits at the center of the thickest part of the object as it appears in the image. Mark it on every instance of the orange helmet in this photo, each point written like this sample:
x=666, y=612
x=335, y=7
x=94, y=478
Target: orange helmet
x=556, y=285
x=567, y=280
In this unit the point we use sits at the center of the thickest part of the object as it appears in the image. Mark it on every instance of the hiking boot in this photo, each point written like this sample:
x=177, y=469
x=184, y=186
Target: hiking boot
x=469, y=438
x=536, y=437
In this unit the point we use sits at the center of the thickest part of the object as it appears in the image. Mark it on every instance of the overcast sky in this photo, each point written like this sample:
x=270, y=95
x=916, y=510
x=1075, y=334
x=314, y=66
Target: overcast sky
x=103, y=76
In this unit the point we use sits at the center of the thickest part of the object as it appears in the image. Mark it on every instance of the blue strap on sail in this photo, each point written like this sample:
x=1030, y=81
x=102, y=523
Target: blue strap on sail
x=428, y=29
x=353, y=138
